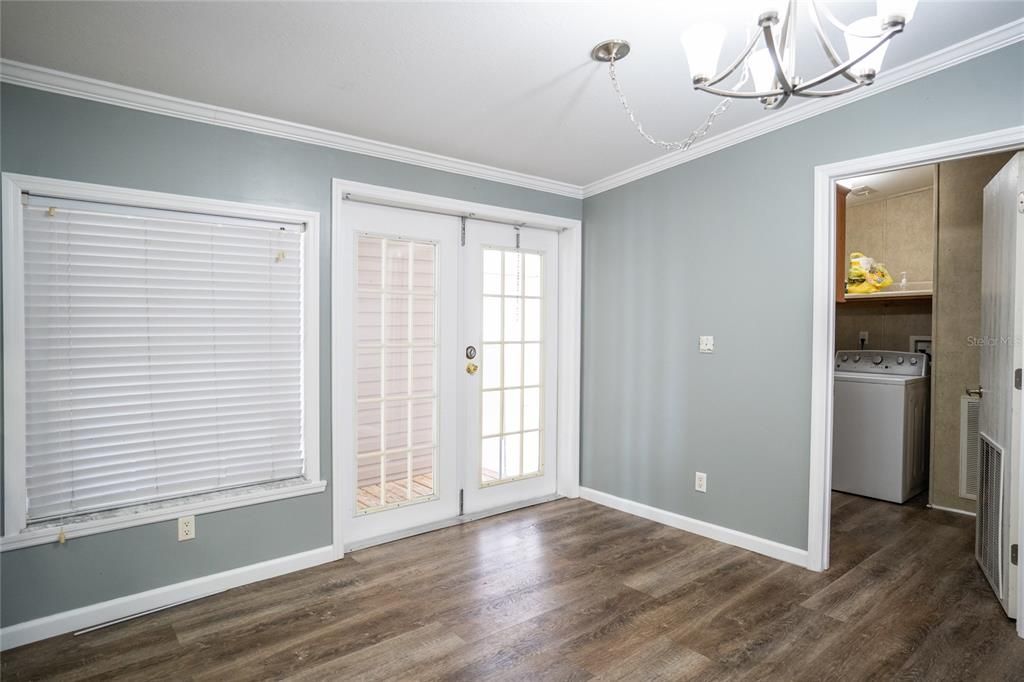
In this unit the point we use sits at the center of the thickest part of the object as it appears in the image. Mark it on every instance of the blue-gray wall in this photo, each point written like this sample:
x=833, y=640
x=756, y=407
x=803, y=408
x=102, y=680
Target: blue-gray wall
x=73, y=139
x=722, y=246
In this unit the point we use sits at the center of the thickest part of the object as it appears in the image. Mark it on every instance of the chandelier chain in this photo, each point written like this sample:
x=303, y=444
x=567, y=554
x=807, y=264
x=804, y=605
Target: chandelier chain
x=698, y=133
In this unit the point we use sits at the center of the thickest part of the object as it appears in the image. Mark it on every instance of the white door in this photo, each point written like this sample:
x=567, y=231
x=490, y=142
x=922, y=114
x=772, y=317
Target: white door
x=510, y=319
x=422, y=439
x=1002, y=327
x=401, y=464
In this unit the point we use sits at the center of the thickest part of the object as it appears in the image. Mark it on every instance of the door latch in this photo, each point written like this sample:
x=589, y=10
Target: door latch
x=1013, y=554
x=1016, y=378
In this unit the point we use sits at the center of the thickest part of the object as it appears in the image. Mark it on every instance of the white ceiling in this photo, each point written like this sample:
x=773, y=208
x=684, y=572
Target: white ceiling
x=890, y=183
x=509, y=85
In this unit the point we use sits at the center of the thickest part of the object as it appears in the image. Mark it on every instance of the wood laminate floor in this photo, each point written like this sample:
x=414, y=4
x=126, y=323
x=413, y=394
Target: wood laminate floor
x=570, y=590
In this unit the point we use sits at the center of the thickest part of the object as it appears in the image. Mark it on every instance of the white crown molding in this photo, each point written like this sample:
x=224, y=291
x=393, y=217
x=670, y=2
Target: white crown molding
x=963, y=51
x=50, y=80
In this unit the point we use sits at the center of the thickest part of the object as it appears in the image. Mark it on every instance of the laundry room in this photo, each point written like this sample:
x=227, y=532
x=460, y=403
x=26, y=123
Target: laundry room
x=915, y=348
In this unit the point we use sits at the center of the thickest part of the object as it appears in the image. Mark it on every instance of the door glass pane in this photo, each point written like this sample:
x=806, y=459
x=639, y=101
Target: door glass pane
x=531, y=452
x=396, y=358
x=531, y=409
x=491, y=365
x=490, y=415
x=513, y=368
x=492, y=273
x=531, y=274
x=490, y=460
x=511, y=415
x=397, y=471
x=531, y=364
x=492, y=318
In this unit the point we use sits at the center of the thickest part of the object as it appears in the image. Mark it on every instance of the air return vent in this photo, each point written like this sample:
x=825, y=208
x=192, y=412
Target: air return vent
x=988, y=543
x=969, y=447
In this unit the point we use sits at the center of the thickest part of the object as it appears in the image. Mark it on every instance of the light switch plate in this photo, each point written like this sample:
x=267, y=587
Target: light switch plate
x=707, y=344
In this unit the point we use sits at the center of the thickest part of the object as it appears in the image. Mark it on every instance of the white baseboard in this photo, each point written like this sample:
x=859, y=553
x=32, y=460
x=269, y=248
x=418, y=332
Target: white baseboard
x=775, y=550
x=151, y=600
x=951, y=510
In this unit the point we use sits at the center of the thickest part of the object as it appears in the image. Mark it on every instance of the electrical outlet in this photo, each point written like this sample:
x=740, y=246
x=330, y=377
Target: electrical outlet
x=706, y=344
x=863, y=337
x=186, y=528
x=700, y=482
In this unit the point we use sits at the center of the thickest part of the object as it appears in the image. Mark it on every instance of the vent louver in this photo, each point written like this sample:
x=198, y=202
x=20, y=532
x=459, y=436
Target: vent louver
x=969, y=447
x=988, y=543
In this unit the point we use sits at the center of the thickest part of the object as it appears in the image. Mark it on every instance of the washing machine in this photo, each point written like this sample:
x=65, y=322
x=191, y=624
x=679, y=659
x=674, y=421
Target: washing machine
x=880, y=424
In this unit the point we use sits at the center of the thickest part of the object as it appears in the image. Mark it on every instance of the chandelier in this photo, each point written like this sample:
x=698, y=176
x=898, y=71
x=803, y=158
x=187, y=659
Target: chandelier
x=773, y=66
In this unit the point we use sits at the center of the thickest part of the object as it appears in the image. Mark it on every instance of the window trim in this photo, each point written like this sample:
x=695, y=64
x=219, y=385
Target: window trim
x=16, y=533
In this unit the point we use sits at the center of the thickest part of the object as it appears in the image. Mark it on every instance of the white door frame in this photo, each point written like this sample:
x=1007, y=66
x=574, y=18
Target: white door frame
x=823, y=316
x=570, y=274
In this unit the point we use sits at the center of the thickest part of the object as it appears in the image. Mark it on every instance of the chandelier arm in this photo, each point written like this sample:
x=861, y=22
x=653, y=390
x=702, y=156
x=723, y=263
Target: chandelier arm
x=780, y=74
x=777, y=104
x=845, y=66
x=787, y=35
x=829, y=93
x=729, y=70
x=739, y=95
x=826, y=44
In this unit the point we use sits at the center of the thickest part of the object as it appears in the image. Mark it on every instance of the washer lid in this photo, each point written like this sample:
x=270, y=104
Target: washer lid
x=886, y=379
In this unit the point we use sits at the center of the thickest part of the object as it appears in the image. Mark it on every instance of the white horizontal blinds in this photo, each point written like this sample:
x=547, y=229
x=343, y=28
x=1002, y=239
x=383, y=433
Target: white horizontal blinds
x=396, y=356
x=511, y=410
x=163, y=354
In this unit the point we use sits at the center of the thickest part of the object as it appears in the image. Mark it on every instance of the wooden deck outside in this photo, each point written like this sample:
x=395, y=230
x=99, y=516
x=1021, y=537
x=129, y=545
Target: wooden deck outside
x=368, y=496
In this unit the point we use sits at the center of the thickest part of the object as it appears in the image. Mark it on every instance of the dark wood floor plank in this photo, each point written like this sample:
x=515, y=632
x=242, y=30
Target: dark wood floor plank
x=570, y=590
x=660, y=659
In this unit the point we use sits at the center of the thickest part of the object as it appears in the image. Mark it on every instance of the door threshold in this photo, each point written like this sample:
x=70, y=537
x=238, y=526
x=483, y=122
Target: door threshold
x=447, y=523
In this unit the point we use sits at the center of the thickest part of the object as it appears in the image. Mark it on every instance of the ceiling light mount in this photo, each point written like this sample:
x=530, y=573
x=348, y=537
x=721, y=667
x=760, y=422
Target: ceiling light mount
x=610, y=50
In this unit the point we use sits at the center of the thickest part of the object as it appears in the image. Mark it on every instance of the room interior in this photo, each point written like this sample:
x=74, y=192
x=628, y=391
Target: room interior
x=356, y=341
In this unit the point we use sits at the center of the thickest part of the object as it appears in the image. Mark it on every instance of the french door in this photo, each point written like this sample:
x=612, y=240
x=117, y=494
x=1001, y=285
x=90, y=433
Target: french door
x=453, y=368
x=510, y=315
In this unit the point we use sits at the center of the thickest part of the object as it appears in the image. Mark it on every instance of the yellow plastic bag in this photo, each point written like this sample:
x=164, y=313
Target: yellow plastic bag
x=866, y=276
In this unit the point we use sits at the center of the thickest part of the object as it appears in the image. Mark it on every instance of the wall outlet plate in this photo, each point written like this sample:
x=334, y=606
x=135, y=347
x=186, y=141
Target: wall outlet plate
x=186, y=528
x=706, y=344
x=863, y=338
x=700, y=482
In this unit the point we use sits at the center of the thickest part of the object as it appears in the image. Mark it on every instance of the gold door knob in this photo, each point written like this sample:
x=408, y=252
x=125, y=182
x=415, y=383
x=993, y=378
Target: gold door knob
x=472, y=367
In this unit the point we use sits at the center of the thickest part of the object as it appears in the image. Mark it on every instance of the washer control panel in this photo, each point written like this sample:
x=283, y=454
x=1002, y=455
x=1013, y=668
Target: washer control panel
x=882, y=362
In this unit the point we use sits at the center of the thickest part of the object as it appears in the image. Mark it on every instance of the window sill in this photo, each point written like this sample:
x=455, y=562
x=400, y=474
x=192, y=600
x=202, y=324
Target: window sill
x=146, y=514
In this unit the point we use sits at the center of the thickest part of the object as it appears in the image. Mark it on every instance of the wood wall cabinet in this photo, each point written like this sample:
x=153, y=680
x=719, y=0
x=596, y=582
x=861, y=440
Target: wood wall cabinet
x=841, y=193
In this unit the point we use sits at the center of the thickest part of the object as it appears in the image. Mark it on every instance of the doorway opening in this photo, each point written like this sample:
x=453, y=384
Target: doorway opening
x=918, y=422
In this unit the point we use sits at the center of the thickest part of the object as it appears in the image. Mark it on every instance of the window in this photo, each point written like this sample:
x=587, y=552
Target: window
x=396, y=390
x=511, y=410
x=164, y=354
